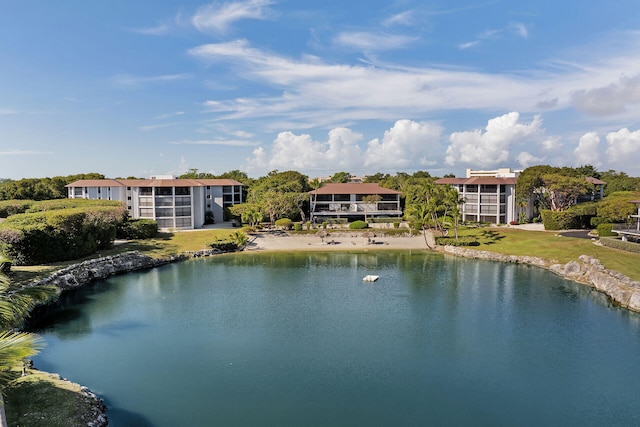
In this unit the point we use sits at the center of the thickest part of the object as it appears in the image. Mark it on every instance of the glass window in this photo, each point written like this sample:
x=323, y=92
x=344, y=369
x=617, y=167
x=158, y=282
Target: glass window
x=164, y=191
x=183, y=191
x=183, y=222
x=165, y=222
x=146, y=191
x=341, y=197
x=183, y=211
x=146, y=212
x=164, y=212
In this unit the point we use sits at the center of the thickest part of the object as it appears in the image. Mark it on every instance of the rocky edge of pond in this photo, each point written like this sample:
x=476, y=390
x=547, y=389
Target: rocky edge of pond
x=587, y=270
x=622, y=290
x=78, y=275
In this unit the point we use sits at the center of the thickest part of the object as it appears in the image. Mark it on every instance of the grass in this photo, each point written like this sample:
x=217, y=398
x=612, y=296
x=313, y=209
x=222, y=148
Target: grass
x=550, y=245
x=42, y=399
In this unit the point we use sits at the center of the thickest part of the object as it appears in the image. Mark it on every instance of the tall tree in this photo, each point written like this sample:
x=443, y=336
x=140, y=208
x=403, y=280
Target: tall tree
x=340, y=177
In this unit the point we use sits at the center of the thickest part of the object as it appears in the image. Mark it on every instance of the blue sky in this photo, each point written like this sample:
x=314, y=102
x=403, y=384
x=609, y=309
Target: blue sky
x=134, y=88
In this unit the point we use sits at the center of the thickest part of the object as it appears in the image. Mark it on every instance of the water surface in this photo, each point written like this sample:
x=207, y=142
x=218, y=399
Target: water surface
x=300, y=339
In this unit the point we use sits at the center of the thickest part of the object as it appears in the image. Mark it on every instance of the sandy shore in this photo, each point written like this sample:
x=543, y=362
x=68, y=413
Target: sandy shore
x=336, y=241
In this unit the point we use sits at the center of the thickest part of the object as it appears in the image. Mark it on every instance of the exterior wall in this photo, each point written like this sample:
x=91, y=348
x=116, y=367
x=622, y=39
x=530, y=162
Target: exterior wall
x=488, y=203
x=178, y=207
x=351, y=206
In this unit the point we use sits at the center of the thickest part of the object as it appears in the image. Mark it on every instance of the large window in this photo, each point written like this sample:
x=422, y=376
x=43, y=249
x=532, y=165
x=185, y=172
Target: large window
x=164, y=201
x=77, y=191
x=488, y=209
x=489, y=198
x=146, y=191
x=183, y=191
x=165, y=222
x=183, y=211
x=488, y=188
x=183, y=222
x=146, y=212
x=341, y=197
x=164, y=191
x=164, y=212
x=323, y=198
x=183, y=201
x=146, y=201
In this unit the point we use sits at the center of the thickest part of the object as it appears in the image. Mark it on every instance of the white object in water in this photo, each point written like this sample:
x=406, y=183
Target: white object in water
x=370, y=278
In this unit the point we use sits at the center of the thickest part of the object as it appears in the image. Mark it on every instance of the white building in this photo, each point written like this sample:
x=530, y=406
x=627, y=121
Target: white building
x=173, y=203
x=490, y=196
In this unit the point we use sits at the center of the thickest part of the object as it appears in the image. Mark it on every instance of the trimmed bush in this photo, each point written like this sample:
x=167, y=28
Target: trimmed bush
x=461, y=241
x=59, y=235
x=297, y=226
x=385, y=220
x=284, y=223
x=137, y=229
x=358, y=225
x=396, y=224
x=617, y=243
x=561, y=220
x=604, y=230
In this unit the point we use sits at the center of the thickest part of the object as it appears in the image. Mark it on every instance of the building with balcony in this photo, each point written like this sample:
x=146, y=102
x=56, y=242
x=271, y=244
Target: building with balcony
x=490, y=196
x=172, y=203
x=353, y=201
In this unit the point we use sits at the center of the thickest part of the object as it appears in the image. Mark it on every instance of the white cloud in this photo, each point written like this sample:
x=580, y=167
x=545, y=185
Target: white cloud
x=519, y=29
x=230, y=142
x=623, y=150
x=527, y=159
x=259, y=162
x=610, y=99
x=218, y=17
x=158, y=30
x=468, y=45
x=368, y=41
x=129, y=80
x=403, y=18
x=406, y=144
x=588, y=150
x=492, y=147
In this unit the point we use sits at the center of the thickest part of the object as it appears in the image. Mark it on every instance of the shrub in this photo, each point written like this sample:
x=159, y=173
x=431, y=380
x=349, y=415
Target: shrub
x=617, y=243
x=136, y=229
x=324, y=224
x=284, y=223
x=13, y=207
x=297, y=226
x=559, y=220
x=308, y=225
x=461, y=241
x=358, y=225
x=396, y=224
x=59, y=235
x=5, y=264
x=604, y=230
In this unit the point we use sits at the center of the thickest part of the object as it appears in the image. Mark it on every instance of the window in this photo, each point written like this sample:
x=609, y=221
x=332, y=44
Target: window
x=146, y=191
x=146, y=212
x=341, y=197
x=184, y=211
x=228, y=198
x=323, y=198
x=77, y=191
x=488, y=209
x=183, y=222
x=489, y=198
x=164, y=201
x=164, y=212
x=128, y=197
x=146, y=201
x=183, y=201
x=472, y=188
x=165, y=223
x=488, y=188
x=164, y=191
x=226, y=189
x=183, y=191
x=471, y=198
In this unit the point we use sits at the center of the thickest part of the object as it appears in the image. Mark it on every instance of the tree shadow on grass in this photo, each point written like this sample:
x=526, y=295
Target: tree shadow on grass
x=491, y=237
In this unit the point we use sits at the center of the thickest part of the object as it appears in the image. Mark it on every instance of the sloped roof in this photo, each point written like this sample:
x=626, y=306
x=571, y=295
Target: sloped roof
x=353, y=188
x=153, y=182
x=595, y=181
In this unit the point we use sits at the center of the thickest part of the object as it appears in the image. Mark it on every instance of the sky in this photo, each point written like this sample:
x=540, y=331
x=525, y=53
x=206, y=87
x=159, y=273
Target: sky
x=148, y=87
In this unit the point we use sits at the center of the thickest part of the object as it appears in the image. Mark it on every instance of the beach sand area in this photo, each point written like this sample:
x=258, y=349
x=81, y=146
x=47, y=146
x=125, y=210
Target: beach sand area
x=335, y=241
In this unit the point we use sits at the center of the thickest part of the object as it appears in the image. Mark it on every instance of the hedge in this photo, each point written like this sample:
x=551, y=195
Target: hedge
x=137, y=229
x=461, y=241
x=616, y=243
x=284, y=223
x=559, y=220
x=385, y=220
x=58, y=235
x=358, y=225
x=604, y=230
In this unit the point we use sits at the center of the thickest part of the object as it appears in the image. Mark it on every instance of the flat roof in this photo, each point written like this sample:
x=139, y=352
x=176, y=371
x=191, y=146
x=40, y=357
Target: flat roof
x=478, y=180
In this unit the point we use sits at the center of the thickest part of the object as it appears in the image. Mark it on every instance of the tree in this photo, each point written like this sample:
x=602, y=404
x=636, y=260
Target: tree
x=340, y=177
x=531, y=185
x=563, y=191
x=369, y=200
x=17, y=346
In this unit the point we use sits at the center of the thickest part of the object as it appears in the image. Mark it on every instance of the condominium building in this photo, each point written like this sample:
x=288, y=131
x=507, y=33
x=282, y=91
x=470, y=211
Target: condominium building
x=335, y=200
x=489, y=196
x=173, y=203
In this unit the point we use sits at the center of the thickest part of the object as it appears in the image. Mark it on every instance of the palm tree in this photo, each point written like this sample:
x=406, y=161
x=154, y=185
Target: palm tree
x=15, y=305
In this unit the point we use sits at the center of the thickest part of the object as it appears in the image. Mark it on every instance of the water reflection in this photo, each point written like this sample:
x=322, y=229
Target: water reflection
x=300, y=339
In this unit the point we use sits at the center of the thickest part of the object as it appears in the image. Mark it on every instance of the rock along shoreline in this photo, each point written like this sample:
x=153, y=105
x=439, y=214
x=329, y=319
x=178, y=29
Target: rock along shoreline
x=622, y=290
x=587, y=270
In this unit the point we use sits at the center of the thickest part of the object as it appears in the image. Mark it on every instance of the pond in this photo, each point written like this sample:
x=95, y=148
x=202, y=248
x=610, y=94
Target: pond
x=300, y=339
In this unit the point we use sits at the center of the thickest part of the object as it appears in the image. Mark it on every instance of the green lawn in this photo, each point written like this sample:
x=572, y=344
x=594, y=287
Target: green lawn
x=549, y=245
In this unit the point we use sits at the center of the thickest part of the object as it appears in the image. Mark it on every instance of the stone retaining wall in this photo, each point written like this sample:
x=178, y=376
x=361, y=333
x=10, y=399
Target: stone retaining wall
x=587, y=270
x=80, y=274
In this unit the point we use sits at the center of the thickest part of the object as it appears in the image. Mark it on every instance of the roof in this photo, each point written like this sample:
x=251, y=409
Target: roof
x=353, y=188
x=595, y=181
x=153, y=182
x=478, y=180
